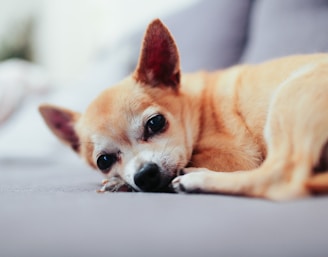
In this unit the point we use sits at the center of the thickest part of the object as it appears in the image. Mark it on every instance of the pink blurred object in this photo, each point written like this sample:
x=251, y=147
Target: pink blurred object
x=18, y=79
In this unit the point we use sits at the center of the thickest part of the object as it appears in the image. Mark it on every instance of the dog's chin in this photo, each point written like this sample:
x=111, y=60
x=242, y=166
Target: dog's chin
x=166, y=179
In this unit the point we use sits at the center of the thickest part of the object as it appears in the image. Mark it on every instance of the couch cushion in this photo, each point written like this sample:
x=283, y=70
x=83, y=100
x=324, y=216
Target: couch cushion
x=51, y=209
x=285, y=27
x=210, y=34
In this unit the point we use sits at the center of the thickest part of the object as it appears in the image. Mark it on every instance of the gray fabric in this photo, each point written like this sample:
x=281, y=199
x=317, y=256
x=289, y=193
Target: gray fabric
x=285, y=27
x=52, y=210
x=210, y=34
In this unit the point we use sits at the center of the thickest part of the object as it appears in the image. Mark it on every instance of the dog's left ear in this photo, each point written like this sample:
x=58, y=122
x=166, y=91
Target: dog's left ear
x=62, y=123
x=159, y=59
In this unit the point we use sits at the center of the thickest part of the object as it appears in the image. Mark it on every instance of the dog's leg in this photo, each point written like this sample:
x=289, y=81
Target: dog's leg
x=113, y=184
x=202, y=180
x=296, y=131
x=318, y=184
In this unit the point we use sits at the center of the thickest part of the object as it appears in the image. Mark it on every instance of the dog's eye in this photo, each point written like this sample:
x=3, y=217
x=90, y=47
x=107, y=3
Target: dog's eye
x=155, y=125
x=105, y=161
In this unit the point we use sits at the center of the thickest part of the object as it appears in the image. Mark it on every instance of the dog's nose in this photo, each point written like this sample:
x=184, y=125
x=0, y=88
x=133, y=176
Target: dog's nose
x=148, y=177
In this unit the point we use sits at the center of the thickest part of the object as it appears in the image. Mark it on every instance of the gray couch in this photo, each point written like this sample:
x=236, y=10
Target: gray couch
x=49, y=206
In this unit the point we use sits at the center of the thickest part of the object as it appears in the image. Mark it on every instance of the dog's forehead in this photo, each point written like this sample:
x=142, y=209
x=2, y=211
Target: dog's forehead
x=115, y=111
x=111, y=103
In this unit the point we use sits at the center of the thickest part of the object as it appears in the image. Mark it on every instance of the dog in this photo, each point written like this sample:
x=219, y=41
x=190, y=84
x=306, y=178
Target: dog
x=252, y=130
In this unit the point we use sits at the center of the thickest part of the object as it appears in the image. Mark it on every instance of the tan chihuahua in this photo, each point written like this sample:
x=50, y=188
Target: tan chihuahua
x=260, y=131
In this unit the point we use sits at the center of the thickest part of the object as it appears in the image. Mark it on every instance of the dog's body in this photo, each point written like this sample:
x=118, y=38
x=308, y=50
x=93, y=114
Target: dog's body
x=263, y=129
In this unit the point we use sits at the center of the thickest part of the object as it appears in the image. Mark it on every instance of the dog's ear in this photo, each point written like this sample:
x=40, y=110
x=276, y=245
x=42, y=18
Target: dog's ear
x=62, y=122
x=159, y=58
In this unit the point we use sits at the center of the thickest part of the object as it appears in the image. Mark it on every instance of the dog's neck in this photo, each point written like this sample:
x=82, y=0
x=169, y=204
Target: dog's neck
x=193, y=89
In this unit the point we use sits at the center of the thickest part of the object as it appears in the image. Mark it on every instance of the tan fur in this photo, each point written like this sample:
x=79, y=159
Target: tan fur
x=255, y=130
x=243, y=97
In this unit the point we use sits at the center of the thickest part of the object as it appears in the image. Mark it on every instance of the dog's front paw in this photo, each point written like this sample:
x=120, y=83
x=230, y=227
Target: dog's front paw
x=189, y=183
x=114, y=185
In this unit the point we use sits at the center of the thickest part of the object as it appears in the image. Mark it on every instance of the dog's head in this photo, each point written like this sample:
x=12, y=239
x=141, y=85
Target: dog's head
x=136, y=132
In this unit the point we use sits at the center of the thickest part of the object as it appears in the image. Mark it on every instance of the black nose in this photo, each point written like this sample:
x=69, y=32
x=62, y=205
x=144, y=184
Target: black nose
x=148, y=177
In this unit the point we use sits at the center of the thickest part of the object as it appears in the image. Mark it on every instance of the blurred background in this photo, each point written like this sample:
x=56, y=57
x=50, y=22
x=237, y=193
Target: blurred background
x=66, y=36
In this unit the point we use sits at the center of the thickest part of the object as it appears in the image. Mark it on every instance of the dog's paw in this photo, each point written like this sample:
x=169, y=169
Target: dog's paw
x=189, y=183
x=114, y=185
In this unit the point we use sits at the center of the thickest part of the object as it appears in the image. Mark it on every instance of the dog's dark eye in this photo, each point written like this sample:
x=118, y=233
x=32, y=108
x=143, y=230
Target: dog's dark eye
x=105, y=161
x=155, y=125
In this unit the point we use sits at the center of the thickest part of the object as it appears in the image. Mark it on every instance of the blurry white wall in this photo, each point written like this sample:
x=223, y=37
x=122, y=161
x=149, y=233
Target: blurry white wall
x=67, y=34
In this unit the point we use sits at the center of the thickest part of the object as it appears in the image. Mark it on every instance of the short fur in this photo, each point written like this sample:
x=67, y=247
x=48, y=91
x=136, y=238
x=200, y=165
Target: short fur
x=254, y=130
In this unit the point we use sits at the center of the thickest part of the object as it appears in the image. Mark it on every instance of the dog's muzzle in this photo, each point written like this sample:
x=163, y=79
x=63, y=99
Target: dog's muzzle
x=149, y=178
